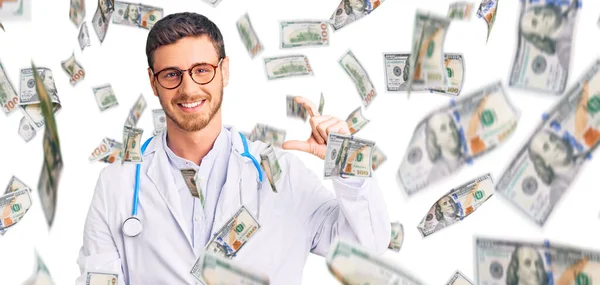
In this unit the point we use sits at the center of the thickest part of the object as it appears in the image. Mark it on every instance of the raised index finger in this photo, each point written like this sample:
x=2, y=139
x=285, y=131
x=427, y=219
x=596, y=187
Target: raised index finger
x=308, y=105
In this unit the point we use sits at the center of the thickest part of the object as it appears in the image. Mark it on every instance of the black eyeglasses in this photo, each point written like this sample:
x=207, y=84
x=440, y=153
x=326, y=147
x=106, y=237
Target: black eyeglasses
x=202, y=73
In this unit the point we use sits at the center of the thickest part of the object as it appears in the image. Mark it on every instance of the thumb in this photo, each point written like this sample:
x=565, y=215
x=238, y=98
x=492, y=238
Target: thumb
x=296, y=145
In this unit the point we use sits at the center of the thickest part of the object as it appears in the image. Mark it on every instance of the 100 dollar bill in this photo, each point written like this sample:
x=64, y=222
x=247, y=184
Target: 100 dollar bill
x=452, y=136
x=248, y=35
x=347, y=13
x=234, y=234
x=303, y=33
x=286, y=66
x=544, y=168
x=544, y=44
x=359, y=76
x=8, y=97
x=29, y=99
x=347, y=156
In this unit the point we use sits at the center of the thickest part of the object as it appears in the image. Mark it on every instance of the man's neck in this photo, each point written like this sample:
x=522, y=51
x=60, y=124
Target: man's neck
x=193, y=146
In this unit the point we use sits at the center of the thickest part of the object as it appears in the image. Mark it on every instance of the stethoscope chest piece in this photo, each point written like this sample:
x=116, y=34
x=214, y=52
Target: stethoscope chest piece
x=132, y=227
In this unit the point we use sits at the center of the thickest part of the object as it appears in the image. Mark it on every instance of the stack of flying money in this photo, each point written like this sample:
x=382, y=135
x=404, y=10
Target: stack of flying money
x=303, y=33
x=364, y=85
x=286, y=66
x=487, y=10
x=452, y=136
x=211, y=269
x=248, y=35
x=542, y=171
x=14, y=203
x=267, y=134
x=457, y=204
x=348, y=156
x=136, y=15
x=270, y=166
x=347, y=13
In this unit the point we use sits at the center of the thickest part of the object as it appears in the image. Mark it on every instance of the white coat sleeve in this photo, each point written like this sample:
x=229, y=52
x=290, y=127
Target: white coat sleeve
x=99, y=252
x=356, y=213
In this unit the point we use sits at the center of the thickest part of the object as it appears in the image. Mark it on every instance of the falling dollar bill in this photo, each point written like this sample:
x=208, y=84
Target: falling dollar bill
x=459, y=279
x=97, y=278
x=84, y=36
x=457, y=204
x=455, y=68
x=397, y=70
x=41, y=276
x=460, y=10
x=487, y=10
x=271, y=167
x=454, y=135
x=26, y=131
x=249, y=36
x=105, y=97
x=286, y=66
x=321, y=104
x=234, y=234
x=378, y=158
x=15, y=10
x=115, y=152
x=356, y=121
x=295, y=109
x=29, y=99
x=347, y=156
x=303, y=33
x=427, y=60
x=545, y=37
x=211, y=269
x=101, y=19
x=13, y=207
x=508, y=262
x=15, y=184
x=352, y=264
x=547, y=164
x=136, y=15
x=101, y=151
x=136, y=111
x=77, y=11
x=132, y=152
x=159, y=120
x=73, y=69
x=359, y=76
x=268, y=134
x=350, y=11
x=397, y=237
x=8, y=97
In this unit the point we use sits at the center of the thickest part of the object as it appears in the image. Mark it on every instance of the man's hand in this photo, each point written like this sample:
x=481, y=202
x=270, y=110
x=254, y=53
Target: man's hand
x=321, y=127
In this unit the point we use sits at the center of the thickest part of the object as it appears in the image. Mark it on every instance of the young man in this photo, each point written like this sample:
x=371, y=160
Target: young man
x=188, y=70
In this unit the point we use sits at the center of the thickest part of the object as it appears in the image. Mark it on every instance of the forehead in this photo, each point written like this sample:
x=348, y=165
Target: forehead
x=185, y=52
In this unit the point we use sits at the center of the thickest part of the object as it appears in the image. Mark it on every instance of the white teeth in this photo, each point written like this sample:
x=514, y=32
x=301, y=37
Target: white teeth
x=191, y=105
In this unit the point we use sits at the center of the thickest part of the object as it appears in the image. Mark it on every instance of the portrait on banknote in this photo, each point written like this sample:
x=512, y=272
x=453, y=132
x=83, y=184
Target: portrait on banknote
x=526, y=267
x=443, y=144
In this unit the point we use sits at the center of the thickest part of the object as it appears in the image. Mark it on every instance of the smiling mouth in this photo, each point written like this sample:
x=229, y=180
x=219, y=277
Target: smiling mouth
x=191, y=106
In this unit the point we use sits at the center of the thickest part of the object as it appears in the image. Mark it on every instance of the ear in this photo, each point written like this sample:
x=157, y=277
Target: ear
x=152, y=81
x=225, y=71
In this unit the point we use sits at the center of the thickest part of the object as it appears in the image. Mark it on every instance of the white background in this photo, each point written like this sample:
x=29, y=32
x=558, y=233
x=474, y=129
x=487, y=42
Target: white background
x=250, y=98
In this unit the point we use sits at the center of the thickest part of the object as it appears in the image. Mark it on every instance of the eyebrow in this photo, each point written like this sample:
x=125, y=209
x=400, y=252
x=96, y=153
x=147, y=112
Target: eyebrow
x=193, y=64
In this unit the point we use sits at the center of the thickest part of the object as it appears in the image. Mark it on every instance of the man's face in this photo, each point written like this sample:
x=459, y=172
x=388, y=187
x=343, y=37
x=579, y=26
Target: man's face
x=202, y=102
x=528, y=267
x=553, y=150
x=447, y=206
x=540, y=21
x=445, y=131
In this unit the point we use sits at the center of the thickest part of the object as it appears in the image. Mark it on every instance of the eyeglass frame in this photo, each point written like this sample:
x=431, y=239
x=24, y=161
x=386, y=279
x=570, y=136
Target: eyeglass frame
x=188, y=71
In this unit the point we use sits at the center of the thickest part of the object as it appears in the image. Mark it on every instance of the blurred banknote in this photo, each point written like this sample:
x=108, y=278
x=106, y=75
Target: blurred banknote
x=105, y=97
x=132, y=152
x=487, y=10
x=136, y=111
x=77, y=11
x=96, y=278
x=349, y=11
x=378, y=158
x=457, y=205
x=509, y=262
x=248, y=35
x=115, y=153
x=321, y=104
x=459, y=279
x=271, y=167
x=286, y=66
x=210, y=269
x=15, y=184
x=356, y=121
x=41, y=276
x=427, y=60
x=26, y=131
x=104, y=149
x=29, y=99
x=294, y=109
x=303, y=33
x=8, y=96
x=547, y=164
x=397, y=237
x=544, y=44
x=214, y=3
x=101, y=19
x=351, y=264
x=348, y=156
x=73, y=69
x=359, y=76
x=455, y=68
x=234, y=234
x=137, y=15
x=84, y=36
x=52, y=164
x=451, y=136
x=268, y=134
x=15, y=10
x=159, y=119
x=460, y=10
x=13, y=206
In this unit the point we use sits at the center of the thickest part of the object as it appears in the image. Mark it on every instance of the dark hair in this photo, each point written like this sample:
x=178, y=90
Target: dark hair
x=174, y=27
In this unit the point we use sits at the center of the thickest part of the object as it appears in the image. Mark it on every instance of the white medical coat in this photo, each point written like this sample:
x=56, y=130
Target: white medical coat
x=302, y=217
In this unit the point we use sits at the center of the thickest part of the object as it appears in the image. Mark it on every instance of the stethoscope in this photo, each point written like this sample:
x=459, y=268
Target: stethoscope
x=132, y=226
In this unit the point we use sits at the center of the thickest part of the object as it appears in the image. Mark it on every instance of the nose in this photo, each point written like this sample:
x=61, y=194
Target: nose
x=188, y=86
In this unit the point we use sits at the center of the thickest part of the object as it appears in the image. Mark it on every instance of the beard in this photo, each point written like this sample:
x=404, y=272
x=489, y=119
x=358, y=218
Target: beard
x=196, y=121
